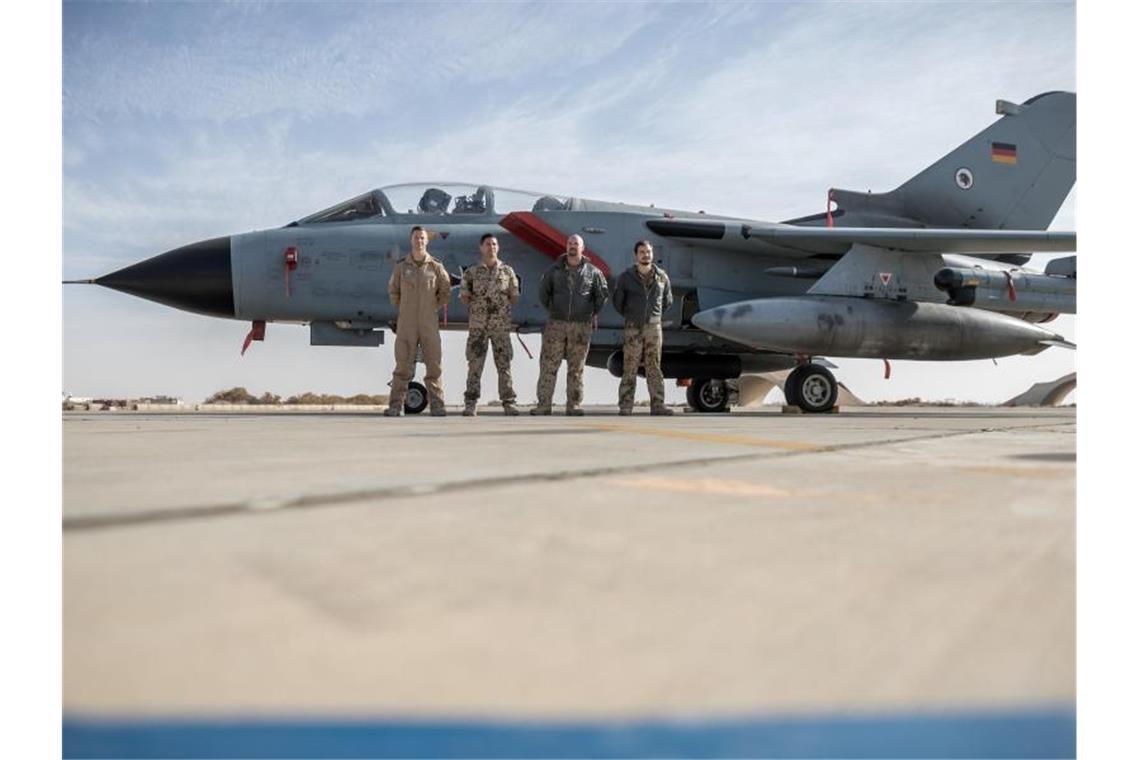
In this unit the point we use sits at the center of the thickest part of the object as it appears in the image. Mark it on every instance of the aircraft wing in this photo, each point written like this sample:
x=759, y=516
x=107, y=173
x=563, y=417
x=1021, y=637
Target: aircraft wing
x=742, y=236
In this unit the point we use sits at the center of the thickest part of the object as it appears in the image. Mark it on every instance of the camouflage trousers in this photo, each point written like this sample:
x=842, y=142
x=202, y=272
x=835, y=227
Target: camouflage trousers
x=563, y=340
x=500, y=343
x=641, y=346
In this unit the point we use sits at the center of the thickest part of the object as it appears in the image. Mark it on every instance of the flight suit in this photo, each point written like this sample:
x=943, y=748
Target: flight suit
x=418, y=291
x=572, y=298
x=641, y=301
x=492, y=291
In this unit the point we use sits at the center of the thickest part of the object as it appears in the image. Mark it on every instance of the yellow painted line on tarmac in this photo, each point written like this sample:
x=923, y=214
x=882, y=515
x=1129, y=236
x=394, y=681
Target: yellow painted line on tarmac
x=1020, y=472
x=715, y=486
x=689, y=435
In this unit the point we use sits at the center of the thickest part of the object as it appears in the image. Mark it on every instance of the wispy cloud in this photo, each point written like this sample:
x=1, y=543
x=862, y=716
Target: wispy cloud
x=189, y=121
x=236, y=62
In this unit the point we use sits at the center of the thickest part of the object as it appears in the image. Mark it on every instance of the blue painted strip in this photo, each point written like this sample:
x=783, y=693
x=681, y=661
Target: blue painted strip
x=1040, y=733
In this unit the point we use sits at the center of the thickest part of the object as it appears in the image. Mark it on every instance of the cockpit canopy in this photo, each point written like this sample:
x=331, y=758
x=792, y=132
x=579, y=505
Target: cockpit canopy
x=364, y=206
x=420, y=200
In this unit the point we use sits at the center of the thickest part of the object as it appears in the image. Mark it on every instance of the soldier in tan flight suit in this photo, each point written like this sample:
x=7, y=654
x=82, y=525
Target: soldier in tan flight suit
x=419, y=288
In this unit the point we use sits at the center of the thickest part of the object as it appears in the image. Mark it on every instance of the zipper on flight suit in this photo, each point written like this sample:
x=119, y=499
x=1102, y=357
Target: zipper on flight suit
x=646, y=286
x=572, y=287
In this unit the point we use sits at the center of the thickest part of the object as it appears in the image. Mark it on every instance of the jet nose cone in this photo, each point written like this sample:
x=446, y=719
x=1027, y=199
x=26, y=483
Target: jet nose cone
x=195, y=277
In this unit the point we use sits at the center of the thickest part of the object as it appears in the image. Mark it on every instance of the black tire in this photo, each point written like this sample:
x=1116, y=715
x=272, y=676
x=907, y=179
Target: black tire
x=416, y=399
x=707, y=395
x=815, y=388
x=791, y=398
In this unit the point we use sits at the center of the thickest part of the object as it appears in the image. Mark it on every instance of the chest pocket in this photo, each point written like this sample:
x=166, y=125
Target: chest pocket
x=414, y=279
x=488, y=286
x=580, y=285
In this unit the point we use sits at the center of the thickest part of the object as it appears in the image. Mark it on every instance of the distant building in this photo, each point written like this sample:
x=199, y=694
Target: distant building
x=90, y=404
x=168, y=400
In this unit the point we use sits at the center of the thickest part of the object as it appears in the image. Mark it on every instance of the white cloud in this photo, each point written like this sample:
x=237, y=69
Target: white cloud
x=224, y=67
x=746, y=110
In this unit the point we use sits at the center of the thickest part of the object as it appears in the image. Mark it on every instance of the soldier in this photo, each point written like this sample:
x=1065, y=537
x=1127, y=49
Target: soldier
x=419, y=288
x=641, y=295
x=572, y=291
x=489, y=289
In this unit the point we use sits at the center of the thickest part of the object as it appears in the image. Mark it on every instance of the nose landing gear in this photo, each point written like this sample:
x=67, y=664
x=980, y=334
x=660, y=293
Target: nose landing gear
x=416, y=399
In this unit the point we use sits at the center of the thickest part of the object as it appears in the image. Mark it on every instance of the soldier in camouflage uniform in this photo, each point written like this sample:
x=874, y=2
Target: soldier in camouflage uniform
x=572, y=291
x=419, y=288
x=641, y=295
x=489, y=289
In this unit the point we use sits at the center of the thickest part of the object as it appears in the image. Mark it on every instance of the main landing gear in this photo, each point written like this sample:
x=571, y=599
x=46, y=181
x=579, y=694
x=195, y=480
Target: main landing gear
x=812, y=388
x=809, y=386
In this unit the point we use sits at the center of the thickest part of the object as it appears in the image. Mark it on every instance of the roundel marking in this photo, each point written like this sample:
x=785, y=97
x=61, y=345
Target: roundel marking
x=964, y=178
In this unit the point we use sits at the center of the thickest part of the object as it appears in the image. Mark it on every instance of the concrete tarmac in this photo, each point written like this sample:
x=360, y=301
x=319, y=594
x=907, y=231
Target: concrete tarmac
x=747, y=563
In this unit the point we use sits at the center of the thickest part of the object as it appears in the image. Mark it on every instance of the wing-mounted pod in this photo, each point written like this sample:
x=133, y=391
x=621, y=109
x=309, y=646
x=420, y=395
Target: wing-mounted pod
x=1007, y=289
x=960, y=285
x=1066, y=266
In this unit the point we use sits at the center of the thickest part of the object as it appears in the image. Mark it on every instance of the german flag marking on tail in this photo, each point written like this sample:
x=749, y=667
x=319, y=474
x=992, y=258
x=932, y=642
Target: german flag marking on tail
x=1003, y=153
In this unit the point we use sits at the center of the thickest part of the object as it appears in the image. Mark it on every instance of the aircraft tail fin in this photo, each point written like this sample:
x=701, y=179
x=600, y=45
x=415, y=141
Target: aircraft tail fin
x=1014, y=174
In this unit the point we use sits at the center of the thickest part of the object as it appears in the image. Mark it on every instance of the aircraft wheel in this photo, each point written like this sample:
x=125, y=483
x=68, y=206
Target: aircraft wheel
x=707, y=395
x=815, y=388
x=791, y=398
x=416, y=399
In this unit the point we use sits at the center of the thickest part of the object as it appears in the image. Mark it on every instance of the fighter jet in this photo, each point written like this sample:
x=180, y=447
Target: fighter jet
x=933, y=270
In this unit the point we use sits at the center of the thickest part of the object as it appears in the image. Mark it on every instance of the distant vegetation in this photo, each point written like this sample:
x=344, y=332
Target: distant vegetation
x=242, y=396
x=915, y=401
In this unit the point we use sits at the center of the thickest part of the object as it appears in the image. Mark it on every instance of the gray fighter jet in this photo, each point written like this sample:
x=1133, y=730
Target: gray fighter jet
x=932, y=270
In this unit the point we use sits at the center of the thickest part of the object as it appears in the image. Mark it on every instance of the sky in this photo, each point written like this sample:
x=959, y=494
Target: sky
x=188, y=121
